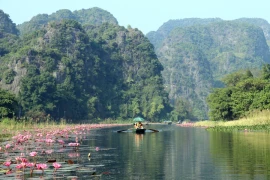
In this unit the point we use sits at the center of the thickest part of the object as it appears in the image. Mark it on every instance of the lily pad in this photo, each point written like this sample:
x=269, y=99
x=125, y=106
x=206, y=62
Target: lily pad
x=72, y=177
x=86, y=169
x=69, y=167
x=98, y=165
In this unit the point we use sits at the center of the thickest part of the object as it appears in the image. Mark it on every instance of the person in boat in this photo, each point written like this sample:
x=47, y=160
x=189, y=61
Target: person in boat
x=140, y=125
x=136, y=126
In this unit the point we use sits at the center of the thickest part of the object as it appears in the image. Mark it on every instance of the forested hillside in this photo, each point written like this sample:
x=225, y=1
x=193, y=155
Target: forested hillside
x=81, y=69
x=197, y=53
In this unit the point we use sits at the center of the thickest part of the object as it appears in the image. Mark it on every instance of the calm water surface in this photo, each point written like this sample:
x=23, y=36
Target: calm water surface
x=178, y=153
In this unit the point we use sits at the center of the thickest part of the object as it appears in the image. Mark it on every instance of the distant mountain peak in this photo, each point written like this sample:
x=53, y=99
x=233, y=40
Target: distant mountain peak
x=93, y=16
x=6, y=24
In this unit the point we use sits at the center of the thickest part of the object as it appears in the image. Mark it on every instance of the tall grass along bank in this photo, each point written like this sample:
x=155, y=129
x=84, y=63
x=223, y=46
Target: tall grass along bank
x=254, y=121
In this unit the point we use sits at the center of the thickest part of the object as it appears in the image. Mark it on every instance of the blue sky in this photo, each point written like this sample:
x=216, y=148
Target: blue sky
x=146, y=15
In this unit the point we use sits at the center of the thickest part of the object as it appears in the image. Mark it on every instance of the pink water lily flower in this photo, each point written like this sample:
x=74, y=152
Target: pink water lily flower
x=33, y=154
x=19, y=166
x=61, y=142
x=41, y=166
x=49, y=151
x=8, y=146
x=7, y=163
x=22, y=165
x=74, y=144
x=49, y=141
x=56, y=165
x=74, y=155
x=24, y=160
x=30, y=164
x=18, y=158
x=39, y=134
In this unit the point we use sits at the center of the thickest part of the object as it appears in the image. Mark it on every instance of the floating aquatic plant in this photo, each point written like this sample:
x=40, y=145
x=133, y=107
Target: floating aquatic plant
x=46, y=152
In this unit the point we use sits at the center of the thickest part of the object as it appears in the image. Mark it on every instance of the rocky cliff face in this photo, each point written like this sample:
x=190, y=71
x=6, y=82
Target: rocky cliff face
x=262, y=23
x=16, y=66
x=196, y=57
x=8, y=39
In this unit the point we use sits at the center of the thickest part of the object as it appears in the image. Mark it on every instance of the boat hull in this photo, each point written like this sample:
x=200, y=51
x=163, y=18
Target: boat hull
x=139, y=131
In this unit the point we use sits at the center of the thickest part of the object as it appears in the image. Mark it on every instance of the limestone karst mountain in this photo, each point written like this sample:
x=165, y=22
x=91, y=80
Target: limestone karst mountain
x=83, y=65
x=197, y=53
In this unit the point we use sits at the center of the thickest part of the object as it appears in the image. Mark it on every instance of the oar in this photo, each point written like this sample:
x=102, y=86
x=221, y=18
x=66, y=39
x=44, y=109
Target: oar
x=122, y=130
x=154, y=130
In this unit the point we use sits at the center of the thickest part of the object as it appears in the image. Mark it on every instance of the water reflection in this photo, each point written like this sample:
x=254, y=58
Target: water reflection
x=138, y=139
x=180, y=153
x=242, y=153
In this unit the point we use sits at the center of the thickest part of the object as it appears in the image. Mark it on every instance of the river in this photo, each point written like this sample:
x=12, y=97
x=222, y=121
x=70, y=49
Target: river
x=173, y=153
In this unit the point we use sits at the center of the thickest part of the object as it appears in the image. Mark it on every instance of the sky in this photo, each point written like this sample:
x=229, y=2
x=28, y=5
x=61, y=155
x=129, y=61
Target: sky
x=146, y=15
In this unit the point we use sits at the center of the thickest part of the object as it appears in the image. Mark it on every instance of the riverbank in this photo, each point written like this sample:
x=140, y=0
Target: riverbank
x=255, y=121
x=11, y=127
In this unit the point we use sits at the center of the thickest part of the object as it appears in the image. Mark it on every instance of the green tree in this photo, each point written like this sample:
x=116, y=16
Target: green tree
x=219, y=102
x=8, y=104
x=266, y=72
x=38, y=91
x=180, y=111
x=243, y=94
x=236, y=77
x=261, y=99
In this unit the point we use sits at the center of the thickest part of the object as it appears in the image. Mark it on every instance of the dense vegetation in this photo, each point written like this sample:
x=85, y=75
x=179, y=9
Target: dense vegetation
x=8, y=104
x=242, y=94
x=197, y=53
x=90, y=71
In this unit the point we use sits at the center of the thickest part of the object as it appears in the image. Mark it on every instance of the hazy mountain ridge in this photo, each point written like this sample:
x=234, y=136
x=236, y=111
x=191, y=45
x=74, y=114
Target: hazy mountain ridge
x=95, y=16
x=156, y=37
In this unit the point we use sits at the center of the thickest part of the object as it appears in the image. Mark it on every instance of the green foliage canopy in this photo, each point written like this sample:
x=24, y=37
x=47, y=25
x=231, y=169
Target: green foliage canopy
x=242, y=94
x=8, y=104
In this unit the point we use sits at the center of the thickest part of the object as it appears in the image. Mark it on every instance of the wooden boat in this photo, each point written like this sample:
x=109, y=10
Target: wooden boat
x=139, y=131
x=168, y=122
